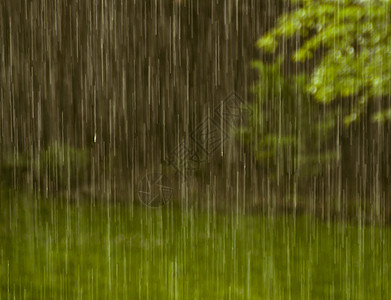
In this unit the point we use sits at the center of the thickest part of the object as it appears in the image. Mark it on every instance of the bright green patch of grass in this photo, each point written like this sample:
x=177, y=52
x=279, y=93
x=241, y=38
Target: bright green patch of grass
x=53, y=250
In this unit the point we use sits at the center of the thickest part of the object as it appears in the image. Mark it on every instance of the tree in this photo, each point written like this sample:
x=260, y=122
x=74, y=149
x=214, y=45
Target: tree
x=354, y=36
x=289, y=151
x=346, y=46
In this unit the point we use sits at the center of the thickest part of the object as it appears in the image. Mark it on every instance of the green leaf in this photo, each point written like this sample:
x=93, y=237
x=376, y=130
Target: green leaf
x=382, y=116
x=268, y=43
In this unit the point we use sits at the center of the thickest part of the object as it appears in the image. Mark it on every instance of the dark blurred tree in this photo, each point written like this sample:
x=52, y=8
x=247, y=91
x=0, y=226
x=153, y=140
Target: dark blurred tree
x=126, y=80
x=347, y=46
x=290, y=152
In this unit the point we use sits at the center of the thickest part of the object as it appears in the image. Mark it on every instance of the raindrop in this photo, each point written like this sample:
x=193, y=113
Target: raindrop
x=173, y=150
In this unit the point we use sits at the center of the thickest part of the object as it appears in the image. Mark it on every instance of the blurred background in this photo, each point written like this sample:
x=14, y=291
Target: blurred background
x=195, y=149
x=95, y=95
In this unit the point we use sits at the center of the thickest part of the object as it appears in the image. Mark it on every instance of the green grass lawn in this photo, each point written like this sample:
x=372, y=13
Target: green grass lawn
x=53, y=250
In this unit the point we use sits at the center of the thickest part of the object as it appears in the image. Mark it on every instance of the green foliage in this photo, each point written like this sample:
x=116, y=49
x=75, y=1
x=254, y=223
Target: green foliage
x=62, y=165
x=13, y=168
x=355, y=39
x=279, y=130
x=57, y=167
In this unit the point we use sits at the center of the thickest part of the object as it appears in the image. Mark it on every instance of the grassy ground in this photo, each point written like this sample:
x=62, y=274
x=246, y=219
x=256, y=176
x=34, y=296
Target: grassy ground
x=53, y=250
